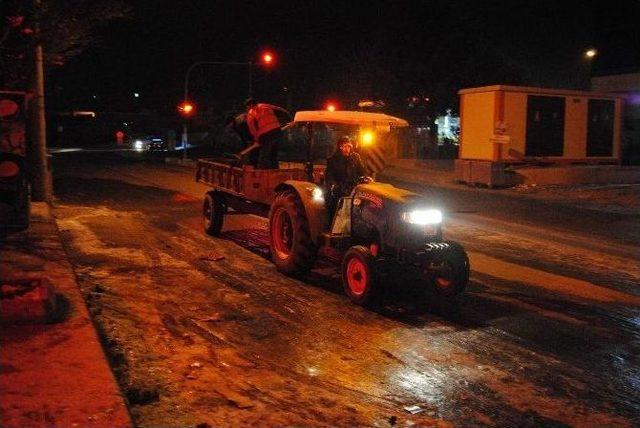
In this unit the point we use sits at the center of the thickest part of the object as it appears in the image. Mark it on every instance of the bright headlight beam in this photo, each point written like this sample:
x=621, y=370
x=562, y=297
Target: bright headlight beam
x=423, y=217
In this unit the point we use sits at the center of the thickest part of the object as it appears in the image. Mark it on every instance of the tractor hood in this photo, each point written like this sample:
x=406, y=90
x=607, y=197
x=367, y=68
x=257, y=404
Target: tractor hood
x=388, y=192
x=380, y=211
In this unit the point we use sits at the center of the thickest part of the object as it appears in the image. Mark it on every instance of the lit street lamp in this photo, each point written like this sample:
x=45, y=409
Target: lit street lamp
x=186, y=109
x=586, y=67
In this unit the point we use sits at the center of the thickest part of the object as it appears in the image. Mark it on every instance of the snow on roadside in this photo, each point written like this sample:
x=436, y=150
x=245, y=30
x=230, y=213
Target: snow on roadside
x=617, y=198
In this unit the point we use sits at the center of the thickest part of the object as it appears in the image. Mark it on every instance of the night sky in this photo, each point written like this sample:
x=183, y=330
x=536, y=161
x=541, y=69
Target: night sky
x=345, y=51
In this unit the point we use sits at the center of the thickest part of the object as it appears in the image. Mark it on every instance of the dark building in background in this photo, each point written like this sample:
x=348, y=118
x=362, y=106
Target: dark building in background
x=617, y=66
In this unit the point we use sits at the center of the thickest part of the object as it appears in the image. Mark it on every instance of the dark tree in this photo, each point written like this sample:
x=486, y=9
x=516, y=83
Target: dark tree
x=67, y=28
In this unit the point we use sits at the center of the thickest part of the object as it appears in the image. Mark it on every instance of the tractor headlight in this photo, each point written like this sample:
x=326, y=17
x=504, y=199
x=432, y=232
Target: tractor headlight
x=317, y=194
x=423, y=217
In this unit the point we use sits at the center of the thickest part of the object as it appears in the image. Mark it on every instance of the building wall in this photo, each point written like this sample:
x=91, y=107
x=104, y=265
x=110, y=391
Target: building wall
x=503, y=110
x=477, y=118
x=575, y=128
x=515, y=120
x=629, y=85
x=616, y=83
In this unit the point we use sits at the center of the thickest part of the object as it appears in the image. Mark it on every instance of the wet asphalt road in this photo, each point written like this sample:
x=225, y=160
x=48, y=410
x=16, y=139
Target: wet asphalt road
x=204, y=330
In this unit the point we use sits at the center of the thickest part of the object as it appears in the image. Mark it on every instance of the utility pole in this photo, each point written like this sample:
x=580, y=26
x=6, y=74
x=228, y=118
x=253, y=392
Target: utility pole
x=41, y=187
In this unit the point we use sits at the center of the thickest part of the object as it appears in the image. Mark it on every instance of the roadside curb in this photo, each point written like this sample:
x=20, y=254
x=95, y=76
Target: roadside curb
x=55, y=373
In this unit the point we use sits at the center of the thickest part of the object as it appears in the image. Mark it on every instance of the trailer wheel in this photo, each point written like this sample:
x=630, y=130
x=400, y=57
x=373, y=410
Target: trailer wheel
x=359, y=276
x=213, y=210
x=451, y=273
x=292, y=249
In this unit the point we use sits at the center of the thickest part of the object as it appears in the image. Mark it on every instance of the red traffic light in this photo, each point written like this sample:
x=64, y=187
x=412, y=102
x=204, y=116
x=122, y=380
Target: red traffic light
x=331, y=106
x=186, y=108
x=267, y=58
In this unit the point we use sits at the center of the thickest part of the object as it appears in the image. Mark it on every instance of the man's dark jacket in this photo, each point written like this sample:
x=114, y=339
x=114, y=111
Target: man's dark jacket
x=344, y=171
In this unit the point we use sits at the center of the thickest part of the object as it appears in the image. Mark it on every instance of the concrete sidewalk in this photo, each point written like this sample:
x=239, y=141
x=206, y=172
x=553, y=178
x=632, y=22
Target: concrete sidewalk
x=53, y=374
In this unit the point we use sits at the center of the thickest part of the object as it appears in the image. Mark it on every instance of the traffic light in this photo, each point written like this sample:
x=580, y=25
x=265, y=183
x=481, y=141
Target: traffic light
x=331, y=106
x=267, y=58
x=186, y=108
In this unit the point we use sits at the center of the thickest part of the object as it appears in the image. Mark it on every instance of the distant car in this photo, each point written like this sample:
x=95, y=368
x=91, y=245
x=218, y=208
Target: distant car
x=148, y=143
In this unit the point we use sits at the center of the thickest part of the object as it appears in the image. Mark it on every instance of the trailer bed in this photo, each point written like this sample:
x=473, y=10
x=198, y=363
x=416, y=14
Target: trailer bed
x=255, y=185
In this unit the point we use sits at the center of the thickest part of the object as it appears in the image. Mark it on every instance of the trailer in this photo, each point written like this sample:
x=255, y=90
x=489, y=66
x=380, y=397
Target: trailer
x=244, y=188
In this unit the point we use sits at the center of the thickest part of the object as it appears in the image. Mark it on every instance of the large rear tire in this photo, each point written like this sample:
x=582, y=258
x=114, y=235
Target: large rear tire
x=358, y=276
x=292, y=248
x=452, y=273
x=213, y=210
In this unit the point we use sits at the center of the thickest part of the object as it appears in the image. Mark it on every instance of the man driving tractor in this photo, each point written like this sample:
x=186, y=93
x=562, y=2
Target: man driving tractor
x=344, y=168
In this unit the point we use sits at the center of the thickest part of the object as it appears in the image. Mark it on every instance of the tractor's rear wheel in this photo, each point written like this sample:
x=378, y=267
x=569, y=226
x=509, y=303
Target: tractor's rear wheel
x=213, y=210
x=292, y=248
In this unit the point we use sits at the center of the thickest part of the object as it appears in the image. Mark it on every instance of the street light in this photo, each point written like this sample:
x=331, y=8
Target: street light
x=586, y=67
x=186, y=108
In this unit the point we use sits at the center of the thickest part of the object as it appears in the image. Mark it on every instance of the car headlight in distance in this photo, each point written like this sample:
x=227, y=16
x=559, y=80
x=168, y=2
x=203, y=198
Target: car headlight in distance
x=138, y=145
x=423, y=217
x=317, y=194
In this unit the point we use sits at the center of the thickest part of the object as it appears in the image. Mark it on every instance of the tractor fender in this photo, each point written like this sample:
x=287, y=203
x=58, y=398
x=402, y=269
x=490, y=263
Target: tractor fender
x=314, y=207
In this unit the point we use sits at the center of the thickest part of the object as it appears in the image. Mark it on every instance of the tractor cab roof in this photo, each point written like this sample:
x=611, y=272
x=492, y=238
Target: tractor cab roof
x=343, y=117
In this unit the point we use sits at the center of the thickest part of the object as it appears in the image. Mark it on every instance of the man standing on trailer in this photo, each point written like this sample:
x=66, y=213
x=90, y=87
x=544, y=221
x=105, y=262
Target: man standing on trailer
x=238, y=124
x=265, y=128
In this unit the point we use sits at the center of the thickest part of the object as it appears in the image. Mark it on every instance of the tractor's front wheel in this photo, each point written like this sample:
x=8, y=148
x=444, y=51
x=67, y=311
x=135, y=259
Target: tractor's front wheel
x=359, y=275
x=292, y=248
x=449, y=274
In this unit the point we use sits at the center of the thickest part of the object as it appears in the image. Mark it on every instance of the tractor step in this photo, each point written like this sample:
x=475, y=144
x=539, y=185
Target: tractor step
x=339, y=241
